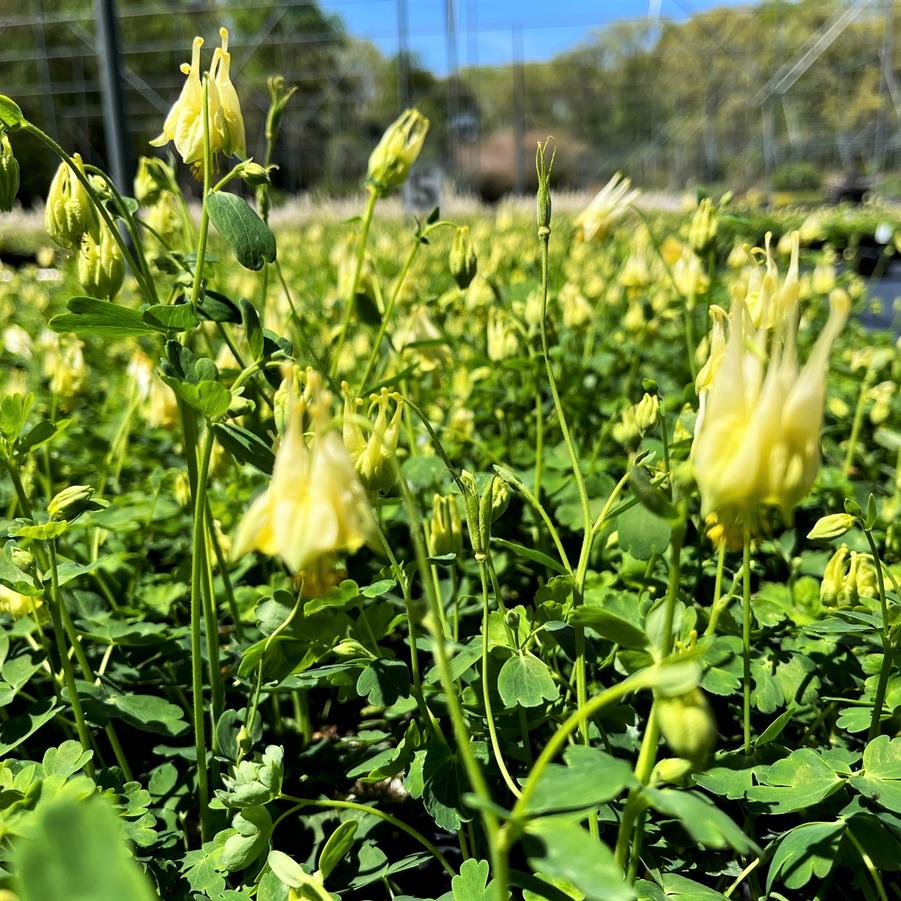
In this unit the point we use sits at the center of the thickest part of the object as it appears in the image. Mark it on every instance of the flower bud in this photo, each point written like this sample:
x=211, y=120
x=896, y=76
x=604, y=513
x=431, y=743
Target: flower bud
x=833, y=585
x=71, y=502
x=687, y=724
x=671, y=769
x=182, y=490
x=373, y=457
x=152, y=178
x=544, y=167
x=9, y=174
x=254, y=174
x=647, y=411
x=861, y=579
x=395, y=153
x=446, y=532
x=832, y=526
x=101, y=268
x=703, y=227
x=69, y=213
x=463, y=261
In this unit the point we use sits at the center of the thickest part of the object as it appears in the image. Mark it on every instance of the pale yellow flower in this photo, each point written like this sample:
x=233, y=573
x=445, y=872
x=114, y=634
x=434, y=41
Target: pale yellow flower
x=609, y=205
x=229, y=123
x=184, y=123
x=757, y=433
x=17, y=605
x=315, y=505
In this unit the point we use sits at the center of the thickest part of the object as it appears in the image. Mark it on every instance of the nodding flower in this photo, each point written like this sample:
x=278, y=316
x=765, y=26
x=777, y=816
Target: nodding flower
x=756, y=441
x=316, y=505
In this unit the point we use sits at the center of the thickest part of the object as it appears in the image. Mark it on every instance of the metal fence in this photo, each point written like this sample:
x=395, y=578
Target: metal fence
x=101, y=77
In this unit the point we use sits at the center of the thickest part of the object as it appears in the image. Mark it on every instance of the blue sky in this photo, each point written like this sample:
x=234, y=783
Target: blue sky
x=485, y=28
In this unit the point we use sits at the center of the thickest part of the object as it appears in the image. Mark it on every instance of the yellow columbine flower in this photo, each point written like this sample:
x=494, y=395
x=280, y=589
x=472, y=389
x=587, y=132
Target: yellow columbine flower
x=608, y=205
x=315, y=505
x=373, y=458
x=230, y=122
x=757, y=434
x=184, y=124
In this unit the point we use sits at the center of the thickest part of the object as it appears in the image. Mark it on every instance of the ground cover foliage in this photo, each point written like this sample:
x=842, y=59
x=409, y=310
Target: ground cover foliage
x=515, y=624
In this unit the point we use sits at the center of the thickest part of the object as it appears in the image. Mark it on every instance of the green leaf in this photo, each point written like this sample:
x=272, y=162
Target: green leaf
x=610, y=626
x=526, y=681
x=171, y=317
x=800, y=780
x=562, y=849
x=775, y=728
x=337, y=847
x=435, y=776
x=880, y=779
x=66, y=760
x=729, y=783
x=76, y=849
x=245, y=446
x=528, y=553
x=642, y=533
x=207, y=397
x=251, y=829
x=41, y=531
x=248, y=236
x=253, y=331
x=678, y=887
x=339, y=597
x=590, y=778
x=384, y=682
x=11, y=116
x=89, y=316
x=701, y=819
x=15, y=730
x=471, y=883
x=150, y=713
x=807, y=852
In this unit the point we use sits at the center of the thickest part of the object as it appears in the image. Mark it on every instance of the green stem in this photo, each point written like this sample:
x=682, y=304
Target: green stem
x=887, y=649
x=55, y=605
x=222, y=563
x=869, y=864
x=474, y=773
x=486, y=686
x=579, y=584
x=386, y=316
x=857, y=422
x=642, y=679
x=374, y=811
x=197, y=579
x=647, y=755
x=358, y=268
x=716, y=607
x=746, y=634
